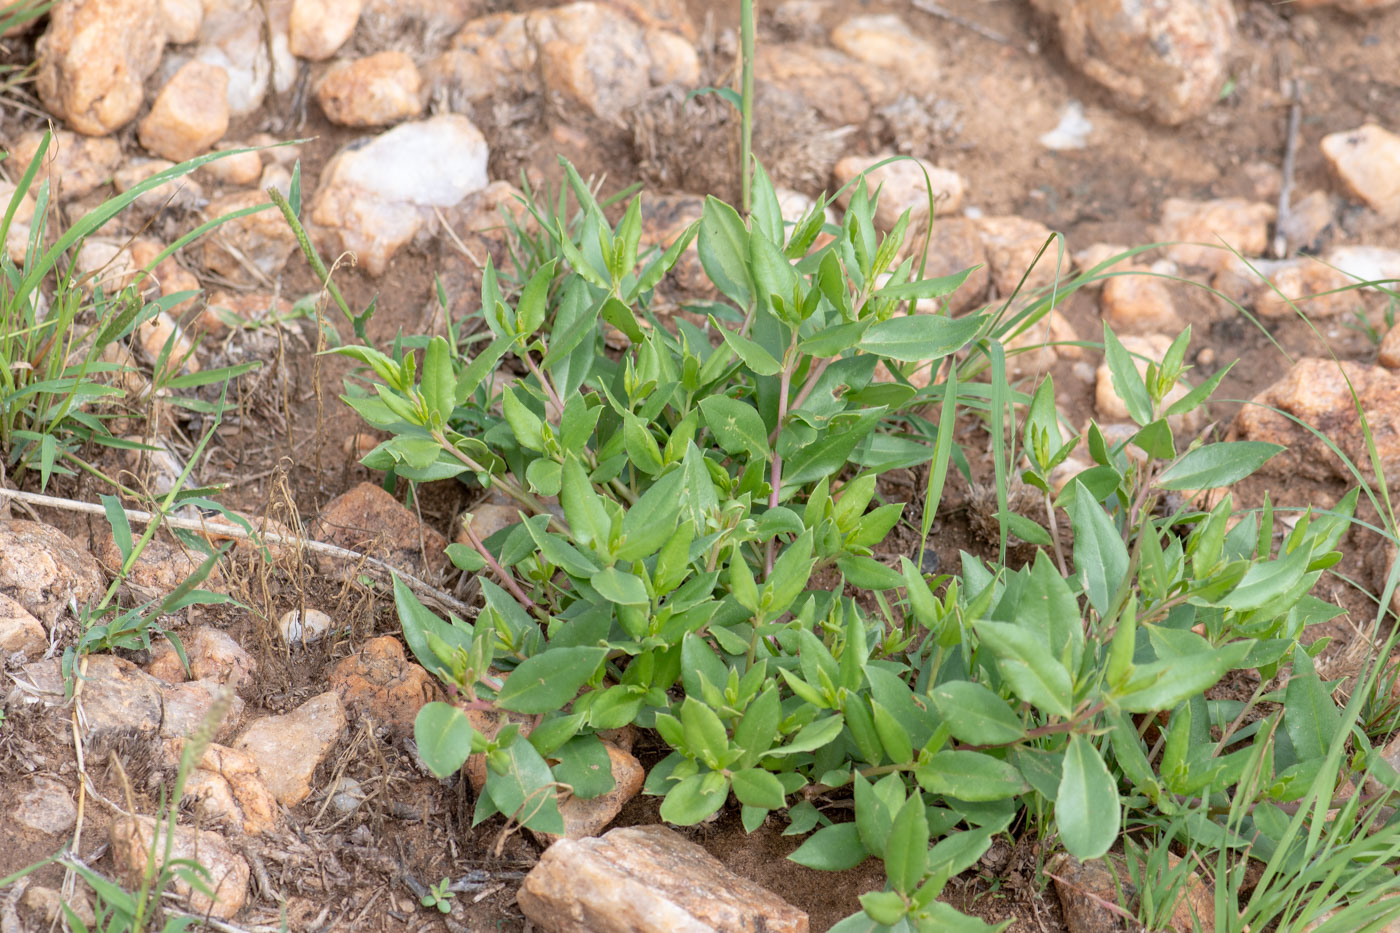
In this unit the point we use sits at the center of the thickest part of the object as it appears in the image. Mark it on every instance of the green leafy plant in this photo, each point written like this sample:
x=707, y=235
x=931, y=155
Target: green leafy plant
x=439, y=896
x=710, y=569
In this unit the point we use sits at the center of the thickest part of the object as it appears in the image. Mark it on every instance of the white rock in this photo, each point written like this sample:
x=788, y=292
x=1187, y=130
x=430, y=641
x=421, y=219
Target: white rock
x=295, y=630
x=1072, y=132
x=234, y=37
x=319, y=28
x=375, y=198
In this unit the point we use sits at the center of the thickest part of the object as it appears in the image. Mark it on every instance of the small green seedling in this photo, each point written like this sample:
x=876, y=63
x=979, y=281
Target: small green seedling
x=438, y=896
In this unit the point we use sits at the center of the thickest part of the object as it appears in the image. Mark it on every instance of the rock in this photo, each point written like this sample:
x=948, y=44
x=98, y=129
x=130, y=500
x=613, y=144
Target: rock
x=318, y=28
x=592, y=56
x=165, y=663
x=1036, y=350
x=1111, y=407
x=288, y=748
x=902, y=188
x=134, y=838
x=664, y=219
x=182, y=19
x=842, y=90
x=1072, y=132
x=1097, y=254
x=93, y=58
x=1139, y=302
x=375, y=197
x=1367, y=160
x=372, y=91
x=189, y=114
x=20, y=632
x=484, y=520
x=369, y=520
x=299, y=630
x=249, y=250
x=956, y=244
x=590, y=816
x=238, y=170
x=168, y=275
x=672, y=15
x=1012, y=244
x=230, y=789
x=182, y=194
x=1167, y=58
x=379, y=683
x=213, y=653
x=196, y=704
x=236, y=36
x=673, y=59
x=646, y=879
x=441, y=17
x=1315, y=391
x=45, y=805
x=164, y=564
x=119, y=696
x=1201, y=230
x=1085, y=887
x=44, y=907
x=44, y=571
x=1367, y=263
x=1309, y=223
x=491, y=54
x=162, y=337
x=886, y=41
x=1356, y=8
x=348, y=795
x=1301, y=286
x=235, y=309
x=1388, y=356
x=75, y=165
x=105, y=262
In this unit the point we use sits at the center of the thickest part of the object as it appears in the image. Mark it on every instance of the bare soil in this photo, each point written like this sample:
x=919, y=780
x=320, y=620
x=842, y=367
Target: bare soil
x=286, y=457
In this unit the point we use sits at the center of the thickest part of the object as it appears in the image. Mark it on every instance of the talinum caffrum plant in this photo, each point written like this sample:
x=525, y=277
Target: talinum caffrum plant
x=700, y=551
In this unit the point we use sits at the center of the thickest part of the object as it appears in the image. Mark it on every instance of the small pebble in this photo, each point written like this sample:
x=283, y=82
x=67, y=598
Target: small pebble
x=349, y=794
x=296, y=631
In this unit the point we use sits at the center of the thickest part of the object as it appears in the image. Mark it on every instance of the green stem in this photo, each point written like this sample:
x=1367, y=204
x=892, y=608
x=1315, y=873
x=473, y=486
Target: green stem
x=746, y=32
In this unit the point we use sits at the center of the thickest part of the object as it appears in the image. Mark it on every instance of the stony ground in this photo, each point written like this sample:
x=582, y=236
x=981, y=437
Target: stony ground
x=415, y=122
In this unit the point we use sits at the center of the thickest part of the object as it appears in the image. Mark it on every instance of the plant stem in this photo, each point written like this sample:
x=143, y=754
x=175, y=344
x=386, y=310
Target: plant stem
x=497, y=569
x=746, y=43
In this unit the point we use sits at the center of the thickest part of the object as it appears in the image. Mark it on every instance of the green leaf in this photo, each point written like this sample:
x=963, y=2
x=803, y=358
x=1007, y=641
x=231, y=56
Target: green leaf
x=1161, y=685
x=831, y=848
x=753, y=355
x=975, y=714
x=1309, y=715
x=620, y=587
x=620, y=316
x=723, y=248
x=704, y=734
x=868, y=573
x=917, y=338
x=906, y=849
x=927, y=288
x=1086, y=806
x=1100, y=556
x=693, y=799
x=884, y=907
x=970, y=776
x=534, y=299
x=549, y=680
x=1025, y=661
x=444, y=738
x=1214, y=465
x=438, y=383
x=737, y=426
x=812, y=736
x=641, y=445
x=585, y=766
x=525, y=791
x=758, y=788
x=588, y=520
x=1127, y=381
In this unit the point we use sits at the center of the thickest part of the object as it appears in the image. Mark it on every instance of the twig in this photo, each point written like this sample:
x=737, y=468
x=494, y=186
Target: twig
x=1285, y=191
x=938, y=10
x=224, y=530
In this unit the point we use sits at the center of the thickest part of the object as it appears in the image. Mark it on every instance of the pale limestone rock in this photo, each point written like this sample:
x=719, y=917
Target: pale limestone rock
x=374, y=91
x=647, y=879
x=190, y=113
x=93, y=59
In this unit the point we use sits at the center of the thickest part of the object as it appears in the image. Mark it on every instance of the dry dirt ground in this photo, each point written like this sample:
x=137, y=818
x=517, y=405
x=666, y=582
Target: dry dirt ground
x=360, y=872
